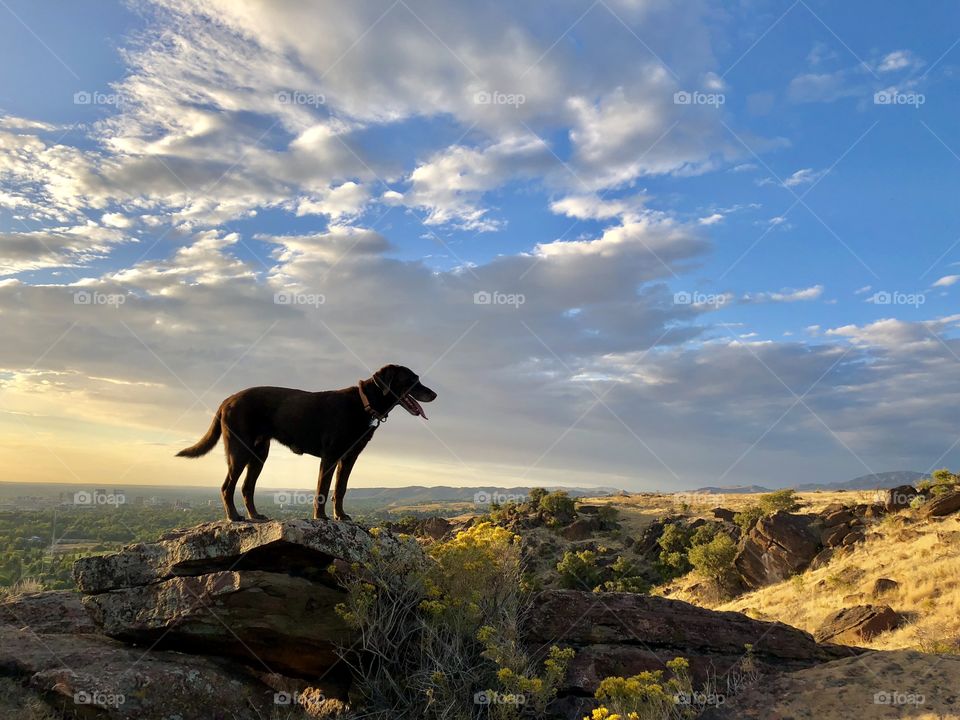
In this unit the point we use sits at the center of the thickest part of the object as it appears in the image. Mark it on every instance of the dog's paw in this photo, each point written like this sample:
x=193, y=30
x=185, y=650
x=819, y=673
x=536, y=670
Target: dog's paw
x=257, y=517
x=343, y=517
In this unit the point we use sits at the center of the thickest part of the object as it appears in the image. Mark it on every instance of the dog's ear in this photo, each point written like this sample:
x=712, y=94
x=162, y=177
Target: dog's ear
x=385, y=377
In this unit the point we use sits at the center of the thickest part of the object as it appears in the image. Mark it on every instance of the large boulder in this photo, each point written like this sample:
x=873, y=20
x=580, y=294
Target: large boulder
x=261, y=593
x=941, y=505
x=899, y=498
x=626, y=633
x=776, y=547
x=858, y=624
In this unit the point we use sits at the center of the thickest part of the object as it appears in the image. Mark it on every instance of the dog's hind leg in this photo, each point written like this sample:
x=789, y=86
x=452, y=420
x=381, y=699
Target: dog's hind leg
x=235, y=468
x=254, y=468
x=327, y=466
x=344, y=467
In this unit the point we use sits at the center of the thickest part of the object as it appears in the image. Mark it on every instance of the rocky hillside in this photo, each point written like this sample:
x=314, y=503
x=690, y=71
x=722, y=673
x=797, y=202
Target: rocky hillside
x=248, y=620
x=239, y=620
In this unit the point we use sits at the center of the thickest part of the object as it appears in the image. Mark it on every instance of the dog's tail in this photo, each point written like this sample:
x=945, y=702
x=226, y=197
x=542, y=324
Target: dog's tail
x=206, y=443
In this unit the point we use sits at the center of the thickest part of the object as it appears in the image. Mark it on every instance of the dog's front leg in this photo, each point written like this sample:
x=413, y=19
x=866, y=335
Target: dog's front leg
x=340, y=491
x=327, y=466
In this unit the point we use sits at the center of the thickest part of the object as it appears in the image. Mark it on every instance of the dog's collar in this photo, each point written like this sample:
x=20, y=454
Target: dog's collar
x=367, y=406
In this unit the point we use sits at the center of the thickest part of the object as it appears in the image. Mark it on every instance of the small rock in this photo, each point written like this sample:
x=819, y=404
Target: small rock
x=884, y=585
x=857, y=624
x=722, y=513
x=852, y=538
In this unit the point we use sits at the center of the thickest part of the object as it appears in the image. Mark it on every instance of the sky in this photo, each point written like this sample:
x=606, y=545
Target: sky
x=636, y=243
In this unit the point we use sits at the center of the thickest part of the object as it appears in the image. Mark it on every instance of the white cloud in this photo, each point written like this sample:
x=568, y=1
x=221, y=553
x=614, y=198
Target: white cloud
x=898, y=60
x=785, y=296
x=947, y=281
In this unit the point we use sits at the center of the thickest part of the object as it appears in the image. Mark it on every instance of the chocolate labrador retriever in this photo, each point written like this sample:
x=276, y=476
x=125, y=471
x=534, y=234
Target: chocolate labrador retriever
x=334, y=425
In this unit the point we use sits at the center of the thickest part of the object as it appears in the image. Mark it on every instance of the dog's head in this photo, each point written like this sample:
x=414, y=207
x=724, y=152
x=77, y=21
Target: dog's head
x=402, y=386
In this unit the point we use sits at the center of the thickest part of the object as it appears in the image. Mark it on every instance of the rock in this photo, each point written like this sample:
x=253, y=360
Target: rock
x=858, y=624
x=297, y=547
x=884, y=585
x=582, y=529
x=832, y=508
x=287, y=623
x=839, y=517
x=724, y=514
x=833, y=537
x=899, y=497
x=57, y=611
x=93, y=676
x=626, y=633
x=588, y=509
x=941, y=505
x=875, y=510
x=777, y=547
x=258, y=592
x=821, y=558
x=647, y=544
x=431, y=527
x=852, y=538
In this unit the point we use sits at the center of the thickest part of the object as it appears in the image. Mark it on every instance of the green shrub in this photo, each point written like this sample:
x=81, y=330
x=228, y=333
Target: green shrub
x=747, y=517
x=559, y=506
x=436, y=627
x=578, y=570
x=779, y=500
x=674, y=543
x=714, y=560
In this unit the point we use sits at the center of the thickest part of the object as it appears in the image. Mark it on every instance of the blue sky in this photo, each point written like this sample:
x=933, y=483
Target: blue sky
x=689, y=270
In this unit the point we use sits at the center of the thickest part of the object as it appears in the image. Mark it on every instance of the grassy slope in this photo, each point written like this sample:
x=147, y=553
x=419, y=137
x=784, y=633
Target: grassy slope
x=922, y=555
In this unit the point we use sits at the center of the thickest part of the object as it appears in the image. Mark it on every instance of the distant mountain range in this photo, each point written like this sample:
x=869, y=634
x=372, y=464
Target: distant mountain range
x=415, y=494
x=863, y=482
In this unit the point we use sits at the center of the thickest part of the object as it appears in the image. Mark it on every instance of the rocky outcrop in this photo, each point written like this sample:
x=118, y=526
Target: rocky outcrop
x=48, y=644
x=261, y=593
x=858, y=624
x=941, y=505
x=776, y=547
x=626, y=633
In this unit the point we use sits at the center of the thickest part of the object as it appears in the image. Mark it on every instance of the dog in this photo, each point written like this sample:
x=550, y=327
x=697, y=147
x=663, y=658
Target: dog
x=333, y=425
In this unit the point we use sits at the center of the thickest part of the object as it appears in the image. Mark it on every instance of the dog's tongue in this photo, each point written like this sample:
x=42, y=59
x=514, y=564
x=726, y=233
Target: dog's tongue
x=412, y=406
